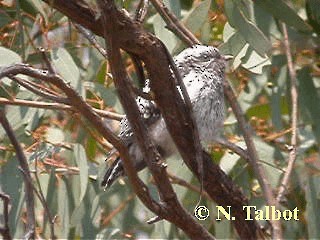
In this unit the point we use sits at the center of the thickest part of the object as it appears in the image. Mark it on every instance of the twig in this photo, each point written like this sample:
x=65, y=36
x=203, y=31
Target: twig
x=233, y=147
x=35, y=88
x=43, y=201
x=76, y=101
x=46, y=60
x=31, y=222
x=5, y=231
x=91, y=38
x=253, y=156
x=294, y=116
x=174, y=24
x=58, y=106
x=141, y=11
x=118, y=209
x=179, y=181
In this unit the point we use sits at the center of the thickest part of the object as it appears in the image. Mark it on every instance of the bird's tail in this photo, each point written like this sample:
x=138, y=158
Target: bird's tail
x=113, y=173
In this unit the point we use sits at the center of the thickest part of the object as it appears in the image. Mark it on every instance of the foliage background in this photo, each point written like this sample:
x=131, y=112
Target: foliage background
x=68, y=155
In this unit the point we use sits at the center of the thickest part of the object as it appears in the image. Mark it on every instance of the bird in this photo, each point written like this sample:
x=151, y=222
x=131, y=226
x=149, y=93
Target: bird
x=202, y=69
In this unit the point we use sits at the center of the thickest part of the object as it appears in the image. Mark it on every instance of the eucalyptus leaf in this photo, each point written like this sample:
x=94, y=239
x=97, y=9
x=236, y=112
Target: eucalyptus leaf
x=280, y=10
x=313, y=12
x=81, y=160
x=67, y=68
x=310, y=98
x=197, y=16
x=63, y=210
x=313, y=206
x=249, y=31
x=7, y=58
x=55, y=135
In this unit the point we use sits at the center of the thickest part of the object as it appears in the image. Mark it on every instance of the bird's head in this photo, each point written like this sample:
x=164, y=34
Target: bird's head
x=200, y=56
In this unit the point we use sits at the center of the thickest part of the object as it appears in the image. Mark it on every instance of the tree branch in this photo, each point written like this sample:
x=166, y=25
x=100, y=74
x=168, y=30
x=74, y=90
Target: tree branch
x=5, y=231
x=133, y=39
x=258, y=169
x=141, y=11
x=31, y=221
x=170, y=209
x=294, y=116
x=58, y=106
x=174, y=24
x=253, y=156
x=37, y=89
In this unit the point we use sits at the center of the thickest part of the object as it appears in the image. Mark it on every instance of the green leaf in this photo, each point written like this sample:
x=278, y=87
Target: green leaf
x=77, y=215
x=280, y=10
x=160, y=27
x=253, y=89
x=174, y=6
x=81, y=160
x=230, y=159
x=222, y=228
x=174, y=163
x=8, y=57
x=4, y=19
x=254, y=62
x=63, y=209
x=101, y=75
x=109, y=233
x=197, y=16
x=67, y=68
x=11, y=182
x=51, y=196
x=37, y=4
x=313, y=207
x=18, y=116
x=233, y=41
x=313, y=13
x=108, y=95
x=54, y=135
x=250, y=32
x=269, y=155
x=165, y=35
x=309, y=99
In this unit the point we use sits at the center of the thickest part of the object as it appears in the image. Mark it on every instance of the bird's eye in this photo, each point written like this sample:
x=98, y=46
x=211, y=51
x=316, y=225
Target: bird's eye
x=206, y=57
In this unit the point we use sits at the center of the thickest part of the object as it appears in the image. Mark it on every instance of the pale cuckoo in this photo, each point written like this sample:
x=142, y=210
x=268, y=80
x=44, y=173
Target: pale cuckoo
x=202, y=69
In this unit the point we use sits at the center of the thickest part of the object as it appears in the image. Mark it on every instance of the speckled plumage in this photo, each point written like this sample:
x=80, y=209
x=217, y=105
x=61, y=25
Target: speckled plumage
x=202, y=70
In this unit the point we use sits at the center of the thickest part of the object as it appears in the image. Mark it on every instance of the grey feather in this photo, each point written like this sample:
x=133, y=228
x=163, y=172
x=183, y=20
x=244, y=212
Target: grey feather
x=202, y=70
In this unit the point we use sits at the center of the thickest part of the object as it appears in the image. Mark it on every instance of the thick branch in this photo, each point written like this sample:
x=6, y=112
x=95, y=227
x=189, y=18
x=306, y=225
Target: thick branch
x=171, y=208
x=133, y=39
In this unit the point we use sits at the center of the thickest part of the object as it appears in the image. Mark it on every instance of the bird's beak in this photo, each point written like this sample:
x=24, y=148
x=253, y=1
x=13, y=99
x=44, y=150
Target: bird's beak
x=228, y=57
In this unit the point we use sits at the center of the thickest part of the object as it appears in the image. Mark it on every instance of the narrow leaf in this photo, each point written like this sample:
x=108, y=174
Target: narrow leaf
x=280, y=10
x=81, y=160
